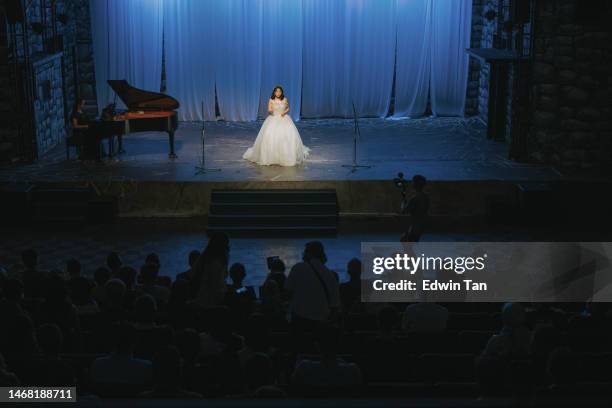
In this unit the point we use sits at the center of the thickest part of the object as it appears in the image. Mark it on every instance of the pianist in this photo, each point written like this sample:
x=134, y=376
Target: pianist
x=80, y=131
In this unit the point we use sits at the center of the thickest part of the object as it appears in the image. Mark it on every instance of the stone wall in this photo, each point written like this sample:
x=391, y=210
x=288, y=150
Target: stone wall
x=571, y=124
x=69, y=20
x=472, y=98
x=48, y=103
x=85, y=58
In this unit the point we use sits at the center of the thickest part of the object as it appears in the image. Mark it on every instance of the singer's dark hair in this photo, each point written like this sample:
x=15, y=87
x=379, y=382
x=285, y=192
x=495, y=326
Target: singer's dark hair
x=282, y=96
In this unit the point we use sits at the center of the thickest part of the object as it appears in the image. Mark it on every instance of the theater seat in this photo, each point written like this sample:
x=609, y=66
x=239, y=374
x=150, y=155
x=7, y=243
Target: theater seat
x=452, y=368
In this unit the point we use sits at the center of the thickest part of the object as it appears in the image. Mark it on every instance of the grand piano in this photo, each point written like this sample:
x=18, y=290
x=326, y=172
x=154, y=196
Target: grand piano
x=147, y=111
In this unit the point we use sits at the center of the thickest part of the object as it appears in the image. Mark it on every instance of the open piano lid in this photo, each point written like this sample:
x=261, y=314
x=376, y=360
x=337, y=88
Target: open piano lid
x=138, y=99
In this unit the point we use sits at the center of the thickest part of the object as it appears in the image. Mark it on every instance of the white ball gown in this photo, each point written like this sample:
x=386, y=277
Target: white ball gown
x=278, y=140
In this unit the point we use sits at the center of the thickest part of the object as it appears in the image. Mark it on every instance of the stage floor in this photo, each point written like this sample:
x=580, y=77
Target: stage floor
x=443, y=149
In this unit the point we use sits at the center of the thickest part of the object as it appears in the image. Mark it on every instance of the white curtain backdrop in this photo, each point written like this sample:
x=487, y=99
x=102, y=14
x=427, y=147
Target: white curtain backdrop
x=281, y=62
x=190, y=57
x=349, y=50
x=127, y=44
x=327, y=55
x=238, y=57
x=369, y=54
x=324, y=67
x=413, y=65
x=450, y=36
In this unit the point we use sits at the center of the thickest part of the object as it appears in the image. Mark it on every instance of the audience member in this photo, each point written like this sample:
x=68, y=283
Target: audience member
x=120, y=367
x=313, y=291
x=192, y=259
x=33, y=280
x=114, y=263
x=514, y=339
x=328, y=371
x=350, y=292
x=418, y=209
x=149, y=273
x=101, y=276
x=81, y=295
x=167, y=375
x=424, y=317
x=210, y=271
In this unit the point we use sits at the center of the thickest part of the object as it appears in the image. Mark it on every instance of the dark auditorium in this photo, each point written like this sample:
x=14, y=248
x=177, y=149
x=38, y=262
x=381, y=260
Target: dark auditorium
x=313, y=203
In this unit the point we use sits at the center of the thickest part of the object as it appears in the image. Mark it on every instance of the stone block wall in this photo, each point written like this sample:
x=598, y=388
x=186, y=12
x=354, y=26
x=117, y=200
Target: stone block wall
x=571, y=123
x=73, y=44
x=473, y=86
x=48, y=103
x=85, y=58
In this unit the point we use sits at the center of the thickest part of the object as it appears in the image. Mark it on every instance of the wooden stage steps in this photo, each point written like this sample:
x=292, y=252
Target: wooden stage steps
x=274, y=210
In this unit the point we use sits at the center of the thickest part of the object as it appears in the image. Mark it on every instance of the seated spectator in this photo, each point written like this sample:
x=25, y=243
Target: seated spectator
x=424, y=317
x=154, y=259
x=121, y=367
x=7, y=378
x=145, y=312
x=350, y=292
x=239, y=298
x=563, y=368
x=258, y=372
x=167, y=375
x=115, y=298
x=81, y=295
x=192, y=259
x=491, y=377
x=73, y=268
x=101, y=276
x=113, y=262
x=18, y=343
x=11, y=305
x=277, y=272
x=48, y=368
x=128, y=275
x=33, y=279
x=269, y=392
x=388, y=320
x=188, y=343
x=256, y=338
x=329, y=371
x=273, y=307
x=149, y=273
x=58, y=309
x=514, y=339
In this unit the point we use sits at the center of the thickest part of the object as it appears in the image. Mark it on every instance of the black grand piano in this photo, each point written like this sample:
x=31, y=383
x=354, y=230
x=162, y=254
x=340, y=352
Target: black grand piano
x=147, y=111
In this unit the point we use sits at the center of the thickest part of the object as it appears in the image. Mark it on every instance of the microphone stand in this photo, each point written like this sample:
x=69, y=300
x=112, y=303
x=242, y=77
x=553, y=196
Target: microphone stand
x=202, y=169
x=356, y=135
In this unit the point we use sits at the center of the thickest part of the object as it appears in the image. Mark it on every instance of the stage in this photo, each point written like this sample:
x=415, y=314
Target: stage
x=442, y=149
x=463, y=166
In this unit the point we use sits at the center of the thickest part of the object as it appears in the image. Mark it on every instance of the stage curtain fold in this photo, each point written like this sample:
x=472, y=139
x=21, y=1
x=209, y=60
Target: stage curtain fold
x=349, y=51
x=281, y=62
x=127, y=44
x=328, y=55
x=450, y=37
x=413, y=58
x=238, y=41
x=189, y=38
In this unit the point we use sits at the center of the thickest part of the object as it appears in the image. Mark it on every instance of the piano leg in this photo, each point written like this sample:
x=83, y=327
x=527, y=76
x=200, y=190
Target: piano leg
x=171, y=139
x=111, y=147
x=120, y=142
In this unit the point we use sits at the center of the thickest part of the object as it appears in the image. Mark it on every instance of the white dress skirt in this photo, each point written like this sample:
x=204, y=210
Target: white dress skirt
x=278, y=141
